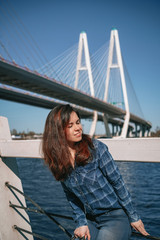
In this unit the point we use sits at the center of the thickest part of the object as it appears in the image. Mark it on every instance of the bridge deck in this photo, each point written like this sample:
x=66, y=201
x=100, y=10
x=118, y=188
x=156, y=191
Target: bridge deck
x=21, y=78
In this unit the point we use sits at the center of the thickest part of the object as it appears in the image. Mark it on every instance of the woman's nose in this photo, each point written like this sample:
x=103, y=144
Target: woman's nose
x=77, y=127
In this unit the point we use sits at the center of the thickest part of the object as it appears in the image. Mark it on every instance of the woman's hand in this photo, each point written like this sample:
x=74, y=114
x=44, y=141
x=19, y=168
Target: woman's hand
x=82, y=232
x=139, y=226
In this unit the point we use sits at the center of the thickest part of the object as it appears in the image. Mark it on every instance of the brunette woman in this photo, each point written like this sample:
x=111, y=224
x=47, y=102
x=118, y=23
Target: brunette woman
x=91, y=180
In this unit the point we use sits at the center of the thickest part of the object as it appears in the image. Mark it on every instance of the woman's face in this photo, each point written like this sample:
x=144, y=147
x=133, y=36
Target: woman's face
x=73, y=129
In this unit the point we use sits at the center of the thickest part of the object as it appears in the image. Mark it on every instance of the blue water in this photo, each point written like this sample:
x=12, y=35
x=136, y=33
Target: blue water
x=142, y=180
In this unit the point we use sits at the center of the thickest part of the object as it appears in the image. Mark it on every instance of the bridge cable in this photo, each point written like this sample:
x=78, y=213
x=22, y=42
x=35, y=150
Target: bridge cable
x=39, y=57
x=70, y=218
x=132, y=94
x=39, y=211
x=42, y=210
x=61, y=64
x=12, y=17
x=147, y=237
x=2, y=45
x=21, y=231
x=32, y=39
x=19, y=38
x=99, y=68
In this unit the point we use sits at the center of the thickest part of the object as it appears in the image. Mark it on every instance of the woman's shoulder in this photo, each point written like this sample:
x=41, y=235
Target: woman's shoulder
x=99, y=144
x=99, y=148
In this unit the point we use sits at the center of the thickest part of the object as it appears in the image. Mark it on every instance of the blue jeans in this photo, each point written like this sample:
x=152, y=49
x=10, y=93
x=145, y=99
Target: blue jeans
x=113, y=225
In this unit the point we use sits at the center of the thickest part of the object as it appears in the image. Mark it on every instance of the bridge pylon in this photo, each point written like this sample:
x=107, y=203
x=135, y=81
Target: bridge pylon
x=115, y=46
x=83, y=48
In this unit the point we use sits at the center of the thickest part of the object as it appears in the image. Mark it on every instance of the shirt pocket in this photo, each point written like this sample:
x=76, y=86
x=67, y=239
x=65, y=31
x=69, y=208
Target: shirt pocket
x=89, y=173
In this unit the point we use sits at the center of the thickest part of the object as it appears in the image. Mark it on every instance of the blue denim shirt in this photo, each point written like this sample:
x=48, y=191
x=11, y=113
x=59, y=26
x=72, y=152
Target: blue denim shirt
x=97, y=187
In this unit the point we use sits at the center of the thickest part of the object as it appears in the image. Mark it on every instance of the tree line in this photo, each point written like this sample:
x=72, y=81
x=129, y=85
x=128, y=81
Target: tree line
x=31, y=134
x=24, y=134
x=156, y=133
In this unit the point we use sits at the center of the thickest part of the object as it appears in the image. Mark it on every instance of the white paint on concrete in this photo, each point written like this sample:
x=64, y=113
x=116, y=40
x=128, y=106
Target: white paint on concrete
x=134, y=149
x=8, y=216
x=4, y=129
x=21, y=148
x=129, y=149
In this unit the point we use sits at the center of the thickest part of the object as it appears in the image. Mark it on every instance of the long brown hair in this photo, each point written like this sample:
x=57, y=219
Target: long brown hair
x=54, y=144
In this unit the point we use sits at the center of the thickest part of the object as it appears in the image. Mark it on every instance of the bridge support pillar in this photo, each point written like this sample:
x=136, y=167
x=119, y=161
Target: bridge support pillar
x=141, y=131
x=147, y=132
x=130, y=133
x=120, y=130
x=93, y=126
x=135, y=130
x=113, y=129
x=105, y=120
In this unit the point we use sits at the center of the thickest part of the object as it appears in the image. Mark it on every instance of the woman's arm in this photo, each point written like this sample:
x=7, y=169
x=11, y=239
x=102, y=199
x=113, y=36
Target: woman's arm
x=111, y=171
x=79, y=215
x=82, y=229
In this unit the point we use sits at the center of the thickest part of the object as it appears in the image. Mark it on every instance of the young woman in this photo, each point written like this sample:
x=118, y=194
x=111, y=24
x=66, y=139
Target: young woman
x=90, y=178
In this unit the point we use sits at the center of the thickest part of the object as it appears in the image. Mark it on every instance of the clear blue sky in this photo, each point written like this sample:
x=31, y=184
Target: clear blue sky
x=55, y=26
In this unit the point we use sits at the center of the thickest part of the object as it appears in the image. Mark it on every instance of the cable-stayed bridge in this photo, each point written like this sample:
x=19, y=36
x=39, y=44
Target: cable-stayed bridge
x=97, y=84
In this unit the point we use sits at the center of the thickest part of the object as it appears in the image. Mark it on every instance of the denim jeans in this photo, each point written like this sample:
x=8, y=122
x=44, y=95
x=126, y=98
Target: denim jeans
x=113, y=225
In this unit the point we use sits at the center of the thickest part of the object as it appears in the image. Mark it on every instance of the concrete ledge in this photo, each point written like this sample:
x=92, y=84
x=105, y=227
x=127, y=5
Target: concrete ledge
x=9, y=217
x=20, y=148
x=129, y=149
x=134, y=149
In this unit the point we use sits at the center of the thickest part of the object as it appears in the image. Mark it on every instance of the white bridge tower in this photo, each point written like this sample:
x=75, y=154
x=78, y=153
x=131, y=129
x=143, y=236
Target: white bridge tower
x=115, y=46
x=83, y=47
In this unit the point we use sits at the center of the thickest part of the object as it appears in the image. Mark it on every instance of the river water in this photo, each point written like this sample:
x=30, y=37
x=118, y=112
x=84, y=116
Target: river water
x=142, y=180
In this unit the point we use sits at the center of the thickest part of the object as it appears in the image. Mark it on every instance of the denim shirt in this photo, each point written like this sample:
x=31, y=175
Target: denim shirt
x=97, y=187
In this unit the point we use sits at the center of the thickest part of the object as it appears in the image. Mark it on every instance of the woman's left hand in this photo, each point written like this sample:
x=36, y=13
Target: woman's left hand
x=139, y=226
